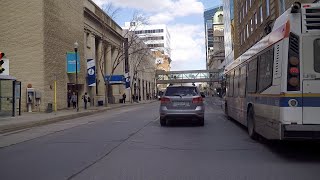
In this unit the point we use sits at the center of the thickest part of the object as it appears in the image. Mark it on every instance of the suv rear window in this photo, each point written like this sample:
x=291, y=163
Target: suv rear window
x=181, y=91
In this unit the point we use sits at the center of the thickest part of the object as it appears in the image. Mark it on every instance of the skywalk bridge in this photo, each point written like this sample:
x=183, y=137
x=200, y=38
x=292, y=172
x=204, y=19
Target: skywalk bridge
x=192, y=76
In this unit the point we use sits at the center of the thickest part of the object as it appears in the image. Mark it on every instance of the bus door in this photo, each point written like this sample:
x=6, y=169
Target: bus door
x=311, y=80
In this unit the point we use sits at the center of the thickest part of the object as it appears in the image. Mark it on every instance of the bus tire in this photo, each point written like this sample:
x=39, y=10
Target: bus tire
x=226, y=111
x=163, y=122
x=251, y=124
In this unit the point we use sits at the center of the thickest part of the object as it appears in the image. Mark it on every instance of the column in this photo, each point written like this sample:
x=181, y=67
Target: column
x=100, y=58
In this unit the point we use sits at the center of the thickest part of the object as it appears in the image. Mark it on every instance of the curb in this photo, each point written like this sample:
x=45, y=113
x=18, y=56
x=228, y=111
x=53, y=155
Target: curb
x=17, y=127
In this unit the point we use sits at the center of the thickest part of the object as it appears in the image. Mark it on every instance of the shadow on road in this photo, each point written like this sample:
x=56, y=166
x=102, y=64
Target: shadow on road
x=293, y=150
x=182, y=123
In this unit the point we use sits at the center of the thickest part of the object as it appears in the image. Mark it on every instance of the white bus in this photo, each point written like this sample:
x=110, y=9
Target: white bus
x=274, y=88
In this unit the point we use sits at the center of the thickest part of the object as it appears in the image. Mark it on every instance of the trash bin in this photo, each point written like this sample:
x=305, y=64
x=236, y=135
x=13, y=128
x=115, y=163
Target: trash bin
x=121, y=100
x=100, y=103
x=49, y=108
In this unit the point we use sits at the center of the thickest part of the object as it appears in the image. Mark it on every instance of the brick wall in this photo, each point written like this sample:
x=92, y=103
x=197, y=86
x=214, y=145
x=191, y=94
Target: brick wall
x=22, y=39
x=258, y=31
x=63, y=26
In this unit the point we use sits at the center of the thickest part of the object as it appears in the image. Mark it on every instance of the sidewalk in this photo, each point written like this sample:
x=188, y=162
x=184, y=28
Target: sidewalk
x=28, y=120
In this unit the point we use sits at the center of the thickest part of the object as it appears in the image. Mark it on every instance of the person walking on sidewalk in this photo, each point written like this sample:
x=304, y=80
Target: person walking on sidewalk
x=124, y=96
x=74, y=100
x=69, y=98
x=85, y=100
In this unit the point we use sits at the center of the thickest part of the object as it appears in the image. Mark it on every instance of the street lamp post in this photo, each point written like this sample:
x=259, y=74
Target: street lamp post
x=77, y=87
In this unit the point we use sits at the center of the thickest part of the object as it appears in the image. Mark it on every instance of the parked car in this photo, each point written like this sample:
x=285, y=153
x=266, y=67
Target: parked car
x=182, y=102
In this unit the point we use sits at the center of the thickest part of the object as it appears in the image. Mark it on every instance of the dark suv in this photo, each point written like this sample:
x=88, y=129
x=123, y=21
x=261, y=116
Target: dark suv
x=182, y=102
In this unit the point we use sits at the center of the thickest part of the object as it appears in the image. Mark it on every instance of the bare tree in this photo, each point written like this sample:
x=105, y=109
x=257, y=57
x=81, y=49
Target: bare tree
x=141, y=63
x=111, y=10
x=129, y=46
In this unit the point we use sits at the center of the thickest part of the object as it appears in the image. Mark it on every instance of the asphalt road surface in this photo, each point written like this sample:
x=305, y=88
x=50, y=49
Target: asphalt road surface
x=130, y=144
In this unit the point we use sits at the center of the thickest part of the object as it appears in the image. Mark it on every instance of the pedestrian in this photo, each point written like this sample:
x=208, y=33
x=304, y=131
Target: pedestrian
x=69, y=98
x=74, y=100
x=85, y=98
x=124, y=96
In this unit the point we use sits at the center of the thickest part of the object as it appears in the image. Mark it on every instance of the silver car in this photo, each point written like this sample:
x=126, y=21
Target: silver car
x=182, y=102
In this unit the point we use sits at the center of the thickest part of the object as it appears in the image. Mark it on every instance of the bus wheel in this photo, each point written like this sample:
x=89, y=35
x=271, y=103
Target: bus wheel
x=251, y=124
x=226, y=111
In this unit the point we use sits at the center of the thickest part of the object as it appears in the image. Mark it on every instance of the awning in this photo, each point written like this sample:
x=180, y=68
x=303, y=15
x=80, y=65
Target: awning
x=7, y=77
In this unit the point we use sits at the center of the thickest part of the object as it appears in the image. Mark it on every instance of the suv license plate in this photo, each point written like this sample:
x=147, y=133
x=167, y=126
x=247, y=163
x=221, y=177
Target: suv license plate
x=180, y=104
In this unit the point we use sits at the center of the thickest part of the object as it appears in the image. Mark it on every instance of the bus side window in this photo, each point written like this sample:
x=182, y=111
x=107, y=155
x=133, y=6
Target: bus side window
x=227, y=84
x=242, y=81
x=236, y=82
x=265, y=70
x=230, y=94
x=252, y=77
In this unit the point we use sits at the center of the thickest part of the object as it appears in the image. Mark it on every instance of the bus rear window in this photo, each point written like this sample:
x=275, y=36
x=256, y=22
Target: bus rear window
x=316, y=55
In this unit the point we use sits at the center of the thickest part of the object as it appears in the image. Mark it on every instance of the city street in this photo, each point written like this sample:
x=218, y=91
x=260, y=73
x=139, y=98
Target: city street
x=129, y=143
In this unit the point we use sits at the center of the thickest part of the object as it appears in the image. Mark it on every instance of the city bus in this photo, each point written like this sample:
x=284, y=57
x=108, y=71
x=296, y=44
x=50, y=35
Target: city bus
x=274, y=87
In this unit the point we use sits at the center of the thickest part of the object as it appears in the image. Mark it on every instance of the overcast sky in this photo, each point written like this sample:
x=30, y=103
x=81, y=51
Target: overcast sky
x=184, y=19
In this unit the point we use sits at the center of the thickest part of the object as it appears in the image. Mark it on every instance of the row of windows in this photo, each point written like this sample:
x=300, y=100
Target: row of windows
x=256, y=76
x=149, y=31
x=152, y=38
x=252, y=25
x=247, y=5
x=218, y=38
x=156, y=45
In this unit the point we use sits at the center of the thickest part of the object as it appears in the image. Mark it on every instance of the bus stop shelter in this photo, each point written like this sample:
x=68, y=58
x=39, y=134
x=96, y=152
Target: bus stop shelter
x=10, y=96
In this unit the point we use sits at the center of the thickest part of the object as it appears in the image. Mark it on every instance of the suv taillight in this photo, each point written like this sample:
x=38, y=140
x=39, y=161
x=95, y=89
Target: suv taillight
x=293, y=78
x=197, y=100
x=165, y=100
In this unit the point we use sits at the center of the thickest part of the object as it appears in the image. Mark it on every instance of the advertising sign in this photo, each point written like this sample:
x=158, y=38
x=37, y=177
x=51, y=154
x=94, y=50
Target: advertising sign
x=91, y=72
x=71, y=62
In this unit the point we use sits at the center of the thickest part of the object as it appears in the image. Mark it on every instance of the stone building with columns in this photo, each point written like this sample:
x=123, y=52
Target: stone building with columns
x=102, y=42
x=36, y=35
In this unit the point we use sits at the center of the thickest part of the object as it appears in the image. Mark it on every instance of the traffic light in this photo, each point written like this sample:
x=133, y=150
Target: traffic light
x=1, y=62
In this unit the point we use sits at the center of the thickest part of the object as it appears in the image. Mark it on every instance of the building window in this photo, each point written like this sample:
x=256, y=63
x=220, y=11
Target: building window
x=247, y=31
x=88, y=40
x=240, y=17
x=256, y=19
x=250, y=3
x=246, y=6
x=268, y=7
x=240, y=38
x=243, y=13
x=282, y=6
x=261, y=14
x=244, y=35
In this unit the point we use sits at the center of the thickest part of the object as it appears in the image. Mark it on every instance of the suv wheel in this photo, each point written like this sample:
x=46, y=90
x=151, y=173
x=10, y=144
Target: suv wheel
x=201, y=121
x=163, y=122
